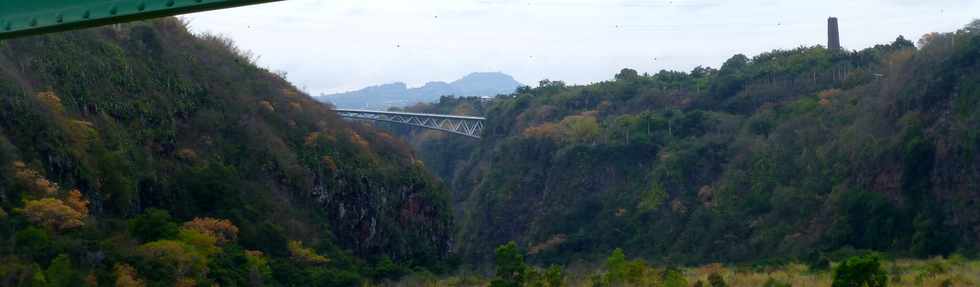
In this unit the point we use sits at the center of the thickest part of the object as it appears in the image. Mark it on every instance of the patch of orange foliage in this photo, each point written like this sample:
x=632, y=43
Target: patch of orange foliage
x=91, y=280
x=359, y=141
x=328, y=163
x=311, y=138
x=254, y=253
x=33, y=180
x=221, y=229
x=826, y=95
x=51, y=101
x=126, y=276
x=43, y=207
x=77, y=202
x=550, y=131
x=266, y=105
x=53, y=214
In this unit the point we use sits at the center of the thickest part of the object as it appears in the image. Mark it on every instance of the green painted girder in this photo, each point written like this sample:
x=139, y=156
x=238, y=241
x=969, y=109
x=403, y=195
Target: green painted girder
x=32, y=17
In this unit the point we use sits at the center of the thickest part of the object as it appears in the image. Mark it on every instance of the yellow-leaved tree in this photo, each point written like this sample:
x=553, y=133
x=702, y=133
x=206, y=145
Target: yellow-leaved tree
x=53, y=214
x=33, y=181
x=76, y=201
x=222, y=230
x=126, y=276
x=46, y=205
x=305, y=255
x=582, y=128
x=551, y=131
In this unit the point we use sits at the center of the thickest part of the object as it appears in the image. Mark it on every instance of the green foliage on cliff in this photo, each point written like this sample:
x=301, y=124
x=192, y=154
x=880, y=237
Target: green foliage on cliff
x=141, y=154
x=776, y=156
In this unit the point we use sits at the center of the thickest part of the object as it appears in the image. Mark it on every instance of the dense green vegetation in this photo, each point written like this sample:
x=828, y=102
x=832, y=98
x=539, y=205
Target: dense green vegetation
x=788, y=155
x=142, y=155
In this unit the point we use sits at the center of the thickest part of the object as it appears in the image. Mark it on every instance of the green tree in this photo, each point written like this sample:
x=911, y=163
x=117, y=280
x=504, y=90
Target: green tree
x=581, y=128
x=616, y=267
x=672, y=277
x=34, y=242
x=511, y=269
x=860, y=271
x=623, y=272
x=37, y=278
x=61, y=273
x=921, y=239
x=554, y=276
x=152, y=225
x=627, y=74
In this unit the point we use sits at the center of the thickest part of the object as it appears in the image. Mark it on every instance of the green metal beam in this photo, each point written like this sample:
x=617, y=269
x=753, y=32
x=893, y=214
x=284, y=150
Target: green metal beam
x=32, y=17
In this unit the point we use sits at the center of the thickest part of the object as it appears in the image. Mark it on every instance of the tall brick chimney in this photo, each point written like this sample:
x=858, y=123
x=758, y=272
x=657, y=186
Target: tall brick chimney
x=833, y=34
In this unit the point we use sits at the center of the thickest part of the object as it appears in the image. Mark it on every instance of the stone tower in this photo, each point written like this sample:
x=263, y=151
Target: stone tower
x=833, y=34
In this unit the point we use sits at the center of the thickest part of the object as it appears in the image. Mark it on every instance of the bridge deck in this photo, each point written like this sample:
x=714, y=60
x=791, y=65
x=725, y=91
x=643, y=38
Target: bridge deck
x=409, y=114
x=461, y=125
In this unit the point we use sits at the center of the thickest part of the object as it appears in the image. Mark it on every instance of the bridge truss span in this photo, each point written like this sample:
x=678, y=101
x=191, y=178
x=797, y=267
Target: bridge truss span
x=461, y=125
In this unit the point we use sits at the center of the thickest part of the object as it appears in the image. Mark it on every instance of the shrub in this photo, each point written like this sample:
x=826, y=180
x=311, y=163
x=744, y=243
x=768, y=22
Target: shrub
x=716, y=280
x=154, y=224
x=817, y=261
x=673, y=277
x=511, y=269
x=551, y=277
x=860, y=271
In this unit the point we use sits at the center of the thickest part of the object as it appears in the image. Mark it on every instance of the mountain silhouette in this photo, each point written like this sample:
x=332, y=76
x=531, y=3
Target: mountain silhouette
x=400, y=95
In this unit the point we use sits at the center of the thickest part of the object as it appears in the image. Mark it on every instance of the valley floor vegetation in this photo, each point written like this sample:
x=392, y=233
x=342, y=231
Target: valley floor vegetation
x=866, y=269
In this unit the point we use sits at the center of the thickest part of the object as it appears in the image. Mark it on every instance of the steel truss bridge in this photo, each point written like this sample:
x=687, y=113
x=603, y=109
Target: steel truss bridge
x=461, y=125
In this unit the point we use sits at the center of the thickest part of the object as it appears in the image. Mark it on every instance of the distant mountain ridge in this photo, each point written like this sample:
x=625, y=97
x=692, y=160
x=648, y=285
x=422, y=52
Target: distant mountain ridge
x=400, y=95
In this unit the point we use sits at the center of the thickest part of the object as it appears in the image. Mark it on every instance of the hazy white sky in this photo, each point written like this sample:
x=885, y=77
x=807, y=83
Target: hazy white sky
x=339, y=45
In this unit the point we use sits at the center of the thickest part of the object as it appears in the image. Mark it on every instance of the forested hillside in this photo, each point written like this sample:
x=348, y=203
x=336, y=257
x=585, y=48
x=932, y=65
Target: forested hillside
x=143, y=155
x=789, y=154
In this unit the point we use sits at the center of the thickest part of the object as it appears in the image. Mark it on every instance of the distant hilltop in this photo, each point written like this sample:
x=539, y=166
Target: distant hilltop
x=400, y=95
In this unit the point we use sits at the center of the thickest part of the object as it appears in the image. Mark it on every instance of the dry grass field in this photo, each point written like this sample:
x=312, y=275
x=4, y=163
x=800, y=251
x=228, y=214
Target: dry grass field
x=935, y=272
